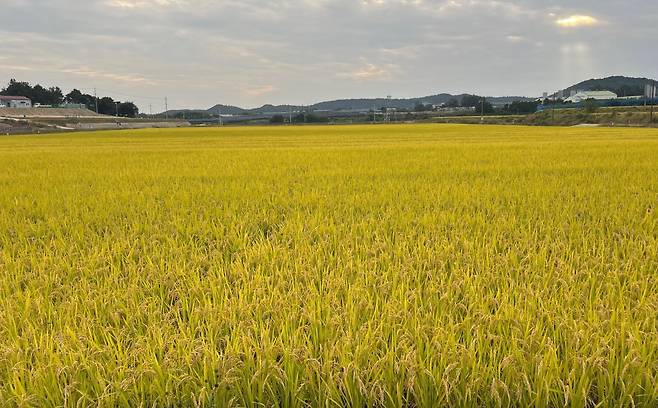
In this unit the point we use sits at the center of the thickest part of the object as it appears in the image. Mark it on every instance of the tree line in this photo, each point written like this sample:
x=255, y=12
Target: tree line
x=302, y=117
x=53, y=96
x=480, y=104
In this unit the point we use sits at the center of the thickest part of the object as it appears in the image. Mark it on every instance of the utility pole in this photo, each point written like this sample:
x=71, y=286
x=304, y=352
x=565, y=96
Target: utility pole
x=116, y=104
x=651, y=114
x=150, y=110
x=482, y=117
x=96, y=100
x=290, y=111
x=653, y=100
x=166, y=109
x=387, y=117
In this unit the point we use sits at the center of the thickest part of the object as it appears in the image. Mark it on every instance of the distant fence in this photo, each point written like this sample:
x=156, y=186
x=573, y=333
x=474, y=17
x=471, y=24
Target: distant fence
x=608, y=103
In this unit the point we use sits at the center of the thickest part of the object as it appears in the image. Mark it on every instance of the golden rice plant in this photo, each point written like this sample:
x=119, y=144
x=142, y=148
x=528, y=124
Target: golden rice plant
x=424, y=265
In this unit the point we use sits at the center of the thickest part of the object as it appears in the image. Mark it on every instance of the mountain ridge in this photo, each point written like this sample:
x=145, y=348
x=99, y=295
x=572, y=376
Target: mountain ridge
x=622, y=85
x=354, y=104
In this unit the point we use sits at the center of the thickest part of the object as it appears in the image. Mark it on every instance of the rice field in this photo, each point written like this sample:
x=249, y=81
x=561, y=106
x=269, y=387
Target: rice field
x=407, y=265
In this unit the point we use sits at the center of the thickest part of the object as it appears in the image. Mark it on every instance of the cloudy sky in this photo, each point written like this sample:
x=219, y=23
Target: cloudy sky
x=251, y=52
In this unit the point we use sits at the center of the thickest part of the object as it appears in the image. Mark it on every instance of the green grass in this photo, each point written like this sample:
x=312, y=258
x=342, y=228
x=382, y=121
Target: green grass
x=427, y=265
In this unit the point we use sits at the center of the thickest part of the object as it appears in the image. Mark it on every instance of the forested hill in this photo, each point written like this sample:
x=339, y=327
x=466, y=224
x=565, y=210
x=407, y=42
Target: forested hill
x=621, y=85
x=355, y=104
x=377, y=103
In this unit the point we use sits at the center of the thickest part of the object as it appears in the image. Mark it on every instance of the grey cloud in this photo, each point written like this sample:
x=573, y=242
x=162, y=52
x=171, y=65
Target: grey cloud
x=200, y=52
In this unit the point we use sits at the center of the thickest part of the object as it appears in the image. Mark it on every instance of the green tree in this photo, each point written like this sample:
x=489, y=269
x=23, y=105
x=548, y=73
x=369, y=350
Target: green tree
x=106, y=106
x=471, y=101
x=75, y=96
x=128, y=110
x=521, y=108
x=421, y=108
x=38, y=93
x=305, y=117
x=590, y=105
x=16, y=88
x=47, y=96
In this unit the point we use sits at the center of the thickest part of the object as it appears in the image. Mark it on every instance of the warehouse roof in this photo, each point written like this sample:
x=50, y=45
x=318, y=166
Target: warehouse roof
x=13, y=98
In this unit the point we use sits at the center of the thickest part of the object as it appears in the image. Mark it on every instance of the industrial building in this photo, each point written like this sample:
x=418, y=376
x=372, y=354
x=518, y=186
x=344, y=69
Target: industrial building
x=596, y=95
x=15, y=102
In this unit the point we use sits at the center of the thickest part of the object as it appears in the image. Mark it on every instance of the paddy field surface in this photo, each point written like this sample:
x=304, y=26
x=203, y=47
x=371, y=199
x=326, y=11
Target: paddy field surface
x=402, y=265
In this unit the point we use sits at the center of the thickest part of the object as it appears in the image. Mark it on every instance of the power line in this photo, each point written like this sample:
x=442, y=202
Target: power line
x=129, y=95
x=95, y=92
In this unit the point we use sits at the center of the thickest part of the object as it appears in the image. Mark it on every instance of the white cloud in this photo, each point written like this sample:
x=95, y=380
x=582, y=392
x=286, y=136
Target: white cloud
x=142, y=4
x=369, y=72
x=411, y=52
x=260, y=91
x=577, y=20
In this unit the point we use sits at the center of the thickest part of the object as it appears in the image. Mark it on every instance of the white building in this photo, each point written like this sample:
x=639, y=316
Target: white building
x=15, y=102
x=585, y=95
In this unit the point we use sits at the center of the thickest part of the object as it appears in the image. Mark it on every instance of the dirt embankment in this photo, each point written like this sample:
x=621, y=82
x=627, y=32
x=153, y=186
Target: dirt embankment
x=628, y=116
x=613, y=117
x=41, y=120
x=31, y=113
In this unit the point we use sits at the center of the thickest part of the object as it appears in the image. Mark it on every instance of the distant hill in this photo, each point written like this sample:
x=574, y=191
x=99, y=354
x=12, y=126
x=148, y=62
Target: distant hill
x=363, y=104
x=226, y=110
x=621, y=85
